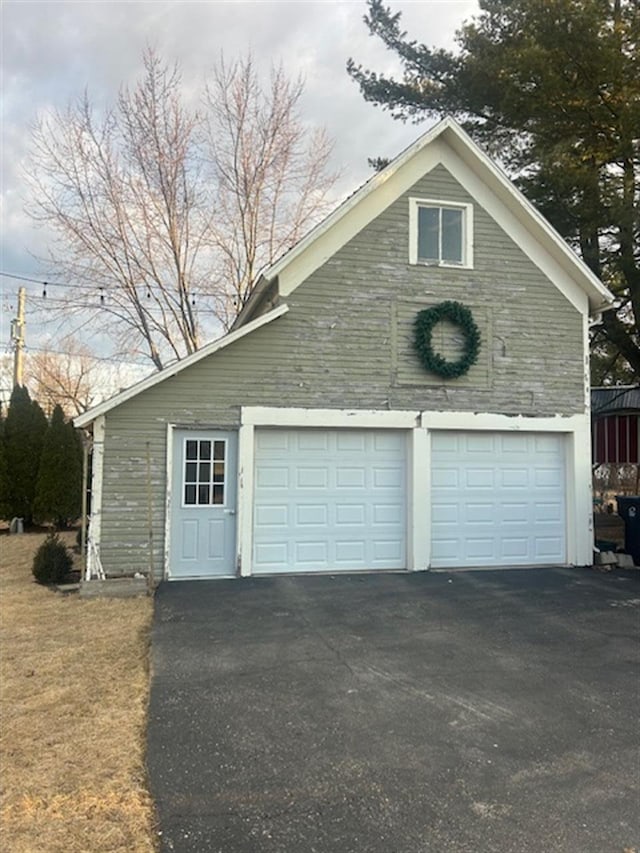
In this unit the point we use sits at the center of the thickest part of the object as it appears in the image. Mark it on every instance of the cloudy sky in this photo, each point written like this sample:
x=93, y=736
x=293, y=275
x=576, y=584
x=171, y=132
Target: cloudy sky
x=52, y=49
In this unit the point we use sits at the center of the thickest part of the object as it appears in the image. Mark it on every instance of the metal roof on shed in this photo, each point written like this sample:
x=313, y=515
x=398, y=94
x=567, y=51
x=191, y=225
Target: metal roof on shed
x=615, y=399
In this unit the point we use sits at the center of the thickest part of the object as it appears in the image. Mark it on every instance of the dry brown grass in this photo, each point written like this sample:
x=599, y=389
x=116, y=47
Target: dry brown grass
x=74, y=678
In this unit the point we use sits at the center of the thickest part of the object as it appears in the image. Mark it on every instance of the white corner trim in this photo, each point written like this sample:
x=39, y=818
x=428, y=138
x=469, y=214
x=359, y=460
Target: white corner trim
x=244, y=534
x=267, y=416
x=173, y=369
x=419, y=500
x=97, y=482
x=467, y=231
x=169, y=498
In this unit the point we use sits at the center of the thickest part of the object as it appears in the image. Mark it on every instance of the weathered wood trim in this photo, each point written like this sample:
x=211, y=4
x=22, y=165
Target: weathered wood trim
x=87, y=417
x=97, y=479
x=244, y=530
x=169, y=499
x=266, y=416
x=419, y=500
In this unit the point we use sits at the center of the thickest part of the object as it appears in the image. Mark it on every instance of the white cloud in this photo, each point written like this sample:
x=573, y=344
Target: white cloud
x=53, y=49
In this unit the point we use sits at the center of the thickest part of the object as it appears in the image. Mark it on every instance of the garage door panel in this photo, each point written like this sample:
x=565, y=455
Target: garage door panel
x=388, y=478
x=515, y=548
x=445, y=478
x=272, y=553
x=273, y=477
x=312, y=515
x=548, y=478
x=479, y=478
x=349, y=441
x=391, y=550
x=513, y=478
x=513, y=513
x=511, y=507
x=350, y=514
x=350, y=551
x=481, y=549
x=388, y=514
x=480, y=513
x=479, y=443
x=272, y=516
x=345, y=498
x=351, y=478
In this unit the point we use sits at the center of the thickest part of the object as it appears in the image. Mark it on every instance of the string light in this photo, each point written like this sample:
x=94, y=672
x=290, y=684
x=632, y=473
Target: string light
x=102, y=292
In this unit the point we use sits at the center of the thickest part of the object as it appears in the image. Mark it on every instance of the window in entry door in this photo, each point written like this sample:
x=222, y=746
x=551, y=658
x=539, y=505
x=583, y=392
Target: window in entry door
x=204, y=472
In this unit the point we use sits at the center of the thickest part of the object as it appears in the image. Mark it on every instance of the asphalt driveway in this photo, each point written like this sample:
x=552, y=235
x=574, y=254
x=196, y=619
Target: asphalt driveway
x=476, y=712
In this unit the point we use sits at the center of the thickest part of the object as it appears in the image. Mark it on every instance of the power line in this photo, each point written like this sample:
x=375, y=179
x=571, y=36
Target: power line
x=103, y=291
x=109, y=358
x=102, y=303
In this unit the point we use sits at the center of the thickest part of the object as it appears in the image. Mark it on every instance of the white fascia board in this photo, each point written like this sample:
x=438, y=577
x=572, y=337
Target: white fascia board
x=173, y=369
x=267, y=416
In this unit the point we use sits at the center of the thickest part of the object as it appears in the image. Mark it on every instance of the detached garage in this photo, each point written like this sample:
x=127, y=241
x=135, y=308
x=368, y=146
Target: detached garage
x=405, y=389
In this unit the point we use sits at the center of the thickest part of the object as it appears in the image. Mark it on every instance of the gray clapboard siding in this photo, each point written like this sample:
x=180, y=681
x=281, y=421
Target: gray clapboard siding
x=346, y=343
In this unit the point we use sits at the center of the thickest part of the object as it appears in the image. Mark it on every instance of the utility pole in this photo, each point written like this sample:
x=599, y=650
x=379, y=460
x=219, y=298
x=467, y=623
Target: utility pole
x=17, y=336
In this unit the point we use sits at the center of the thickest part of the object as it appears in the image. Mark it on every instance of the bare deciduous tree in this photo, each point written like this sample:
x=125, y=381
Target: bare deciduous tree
x=122, y=191
x=270, y=171
x=71, y=376
x=163, y=215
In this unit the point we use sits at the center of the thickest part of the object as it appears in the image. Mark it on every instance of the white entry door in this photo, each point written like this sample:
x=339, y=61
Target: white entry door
x=329, y=500
x=203, y=504
x=497, y=499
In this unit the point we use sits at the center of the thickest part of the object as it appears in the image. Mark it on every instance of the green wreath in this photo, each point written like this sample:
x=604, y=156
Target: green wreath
x=456, y=313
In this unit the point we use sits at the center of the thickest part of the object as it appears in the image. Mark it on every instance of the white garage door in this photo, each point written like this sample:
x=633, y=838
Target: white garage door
x=328, y=500
x=497, y=499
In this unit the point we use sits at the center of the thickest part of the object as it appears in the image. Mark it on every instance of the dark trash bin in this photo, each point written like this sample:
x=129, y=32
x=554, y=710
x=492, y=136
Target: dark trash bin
x=629, y=510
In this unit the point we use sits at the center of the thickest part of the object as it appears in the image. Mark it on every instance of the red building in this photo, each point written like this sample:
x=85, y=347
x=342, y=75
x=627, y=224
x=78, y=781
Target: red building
x=615, y=416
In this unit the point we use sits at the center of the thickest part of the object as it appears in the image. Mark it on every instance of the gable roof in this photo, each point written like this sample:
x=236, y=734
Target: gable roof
x=446, y=143
x=89, y=416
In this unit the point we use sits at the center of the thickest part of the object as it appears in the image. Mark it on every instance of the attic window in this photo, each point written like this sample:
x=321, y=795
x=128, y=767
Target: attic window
x=440, y=233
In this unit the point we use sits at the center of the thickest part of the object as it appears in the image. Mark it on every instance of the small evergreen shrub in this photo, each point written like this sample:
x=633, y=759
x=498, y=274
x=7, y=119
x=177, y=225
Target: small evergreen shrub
x=52, y=562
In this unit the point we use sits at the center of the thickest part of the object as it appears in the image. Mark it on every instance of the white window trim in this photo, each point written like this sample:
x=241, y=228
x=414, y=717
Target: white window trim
x=467, y=232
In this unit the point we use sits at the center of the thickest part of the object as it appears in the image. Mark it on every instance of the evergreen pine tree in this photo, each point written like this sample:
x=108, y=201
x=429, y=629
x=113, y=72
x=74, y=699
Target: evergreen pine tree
x=59, y=485
x=24, y=429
